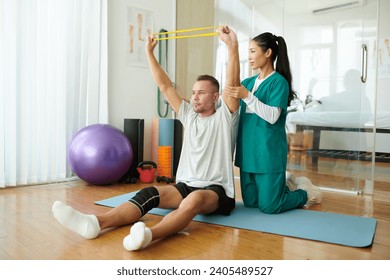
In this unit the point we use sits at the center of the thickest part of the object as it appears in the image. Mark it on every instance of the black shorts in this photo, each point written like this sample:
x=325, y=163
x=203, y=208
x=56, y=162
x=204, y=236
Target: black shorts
x=225, y=203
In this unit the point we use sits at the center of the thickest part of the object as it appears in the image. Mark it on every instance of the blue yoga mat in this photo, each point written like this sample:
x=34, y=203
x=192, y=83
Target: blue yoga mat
x=313, y=225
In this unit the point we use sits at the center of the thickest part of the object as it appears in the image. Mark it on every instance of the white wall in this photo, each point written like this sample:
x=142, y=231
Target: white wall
x=132, y=92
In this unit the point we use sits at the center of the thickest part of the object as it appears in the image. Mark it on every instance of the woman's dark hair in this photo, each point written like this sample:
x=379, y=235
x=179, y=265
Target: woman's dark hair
x=211, y=79
x=279, y=53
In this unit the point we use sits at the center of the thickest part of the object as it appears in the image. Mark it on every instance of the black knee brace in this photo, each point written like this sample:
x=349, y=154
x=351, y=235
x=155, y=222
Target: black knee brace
x=146, y=199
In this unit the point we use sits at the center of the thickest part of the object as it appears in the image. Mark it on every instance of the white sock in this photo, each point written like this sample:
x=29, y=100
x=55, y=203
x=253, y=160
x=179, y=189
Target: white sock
x=85, y=225
x=140, y=236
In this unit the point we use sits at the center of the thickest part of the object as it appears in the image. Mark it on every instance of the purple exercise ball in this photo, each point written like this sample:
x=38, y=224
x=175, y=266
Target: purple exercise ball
x=100, y=154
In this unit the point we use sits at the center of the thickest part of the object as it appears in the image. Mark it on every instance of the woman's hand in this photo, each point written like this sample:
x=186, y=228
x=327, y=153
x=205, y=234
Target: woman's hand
x=236, y=92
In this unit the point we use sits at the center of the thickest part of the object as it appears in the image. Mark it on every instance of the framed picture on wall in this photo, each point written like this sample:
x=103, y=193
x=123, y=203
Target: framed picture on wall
x=139, y=24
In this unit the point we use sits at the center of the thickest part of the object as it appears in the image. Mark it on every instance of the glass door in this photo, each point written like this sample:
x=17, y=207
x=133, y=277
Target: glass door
x=381, y=55
x=330, y=127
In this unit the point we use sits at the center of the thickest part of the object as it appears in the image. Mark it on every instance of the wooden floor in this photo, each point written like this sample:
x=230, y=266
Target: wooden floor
x=28, y=230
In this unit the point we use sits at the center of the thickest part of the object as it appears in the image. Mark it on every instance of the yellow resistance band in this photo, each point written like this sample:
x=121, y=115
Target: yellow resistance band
x=187, y=36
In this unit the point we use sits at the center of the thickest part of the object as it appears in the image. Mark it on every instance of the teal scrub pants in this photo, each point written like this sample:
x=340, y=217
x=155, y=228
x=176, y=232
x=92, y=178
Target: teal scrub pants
x=269, y=193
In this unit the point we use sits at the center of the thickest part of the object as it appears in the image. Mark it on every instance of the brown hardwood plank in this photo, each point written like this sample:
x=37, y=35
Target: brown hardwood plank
x=29, y=231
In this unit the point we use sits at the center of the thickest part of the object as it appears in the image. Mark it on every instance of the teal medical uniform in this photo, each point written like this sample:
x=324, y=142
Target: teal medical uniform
x=261, y=152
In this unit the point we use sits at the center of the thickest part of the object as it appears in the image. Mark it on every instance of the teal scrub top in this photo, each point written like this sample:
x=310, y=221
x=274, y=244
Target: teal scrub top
x=261, y=146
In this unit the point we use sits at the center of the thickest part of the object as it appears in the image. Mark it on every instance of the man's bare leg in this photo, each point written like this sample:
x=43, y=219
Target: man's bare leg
x=199, y=202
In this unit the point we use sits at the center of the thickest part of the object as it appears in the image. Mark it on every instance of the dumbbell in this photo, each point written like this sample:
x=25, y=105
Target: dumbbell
x=165, y=179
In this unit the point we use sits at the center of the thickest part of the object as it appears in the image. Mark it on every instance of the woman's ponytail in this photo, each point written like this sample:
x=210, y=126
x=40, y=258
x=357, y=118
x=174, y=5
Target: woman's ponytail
x=283, y=66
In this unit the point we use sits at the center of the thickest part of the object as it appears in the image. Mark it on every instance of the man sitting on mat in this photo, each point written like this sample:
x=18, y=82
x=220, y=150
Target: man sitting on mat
x=204, y=179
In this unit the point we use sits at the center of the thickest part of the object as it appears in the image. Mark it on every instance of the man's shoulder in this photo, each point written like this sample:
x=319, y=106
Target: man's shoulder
x=185, y=109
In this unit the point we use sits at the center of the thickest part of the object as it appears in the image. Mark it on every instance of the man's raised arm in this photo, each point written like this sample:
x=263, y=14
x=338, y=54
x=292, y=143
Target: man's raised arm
x=160, y=76
x=233, y=65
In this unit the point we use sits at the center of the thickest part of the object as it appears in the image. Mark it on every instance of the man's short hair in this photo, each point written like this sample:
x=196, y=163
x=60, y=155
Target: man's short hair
x=213, y=80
